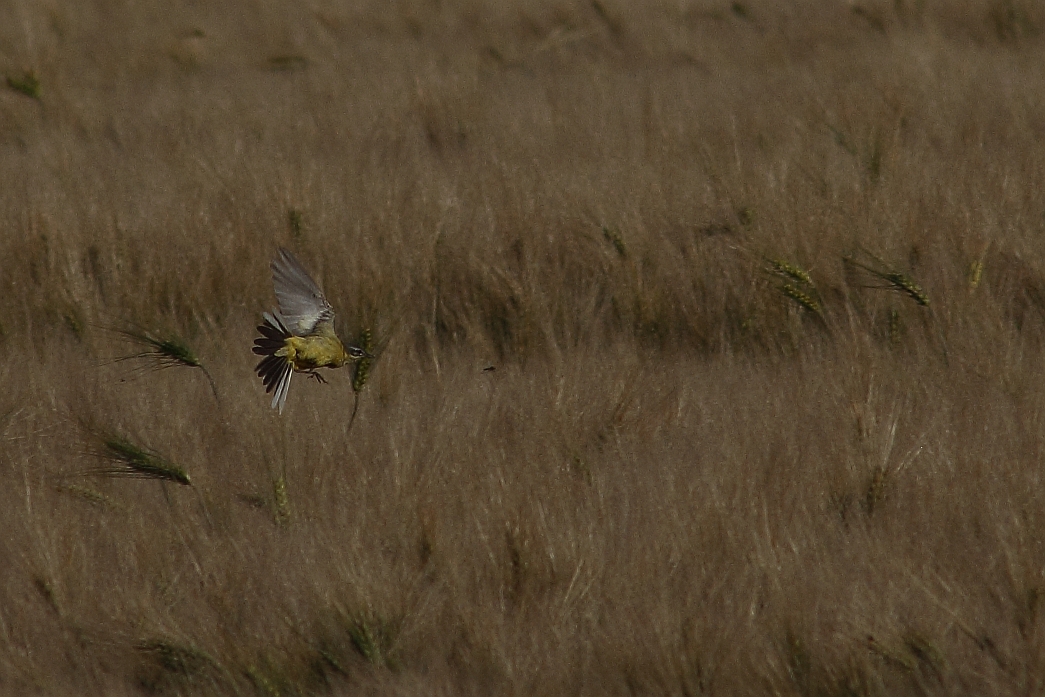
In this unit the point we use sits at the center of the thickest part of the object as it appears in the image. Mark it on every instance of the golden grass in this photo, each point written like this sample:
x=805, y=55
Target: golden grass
x=611, y=444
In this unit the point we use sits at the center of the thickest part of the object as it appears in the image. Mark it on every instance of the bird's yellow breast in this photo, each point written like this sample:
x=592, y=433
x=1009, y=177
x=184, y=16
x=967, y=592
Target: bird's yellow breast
x=315, y=351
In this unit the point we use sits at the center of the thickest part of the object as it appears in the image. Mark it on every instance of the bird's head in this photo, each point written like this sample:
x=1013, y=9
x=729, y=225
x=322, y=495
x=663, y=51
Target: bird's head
x=355, y=353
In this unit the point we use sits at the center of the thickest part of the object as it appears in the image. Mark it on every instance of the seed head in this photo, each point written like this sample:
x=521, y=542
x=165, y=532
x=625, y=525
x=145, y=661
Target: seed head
x=614, y=238
x=362, y=366
x=130, y=460
x=975, y=274
x=803, y=299
x=905, y=284
x=788, y=269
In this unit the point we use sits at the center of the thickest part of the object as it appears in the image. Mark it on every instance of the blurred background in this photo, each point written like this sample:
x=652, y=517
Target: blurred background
x=709, y=344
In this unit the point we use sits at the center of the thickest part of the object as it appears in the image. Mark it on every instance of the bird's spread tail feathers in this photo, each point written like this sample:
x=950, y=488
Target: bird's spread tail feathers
x=274, y=370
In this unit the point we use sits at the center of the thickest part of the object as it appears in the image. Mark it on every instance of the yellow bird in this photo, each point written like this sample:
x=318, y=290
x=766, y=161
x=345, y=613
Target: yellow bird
x=300, y=336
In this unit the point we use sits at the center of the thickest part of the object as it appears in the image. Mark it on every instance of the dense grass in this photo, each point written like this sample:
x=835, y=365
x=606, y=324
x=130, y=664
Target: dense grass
x=710, y=348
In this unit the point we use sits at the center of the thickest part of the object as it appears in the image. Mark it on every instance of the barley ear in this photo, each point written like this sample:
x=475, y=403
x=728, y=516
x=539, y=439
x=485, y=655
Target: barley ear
x=166, y=352
x=790, y=270
x=129, y=460
x=803, y=299
x=280, y=501
x=362, y=366
x=975, y=274
x=614, y=238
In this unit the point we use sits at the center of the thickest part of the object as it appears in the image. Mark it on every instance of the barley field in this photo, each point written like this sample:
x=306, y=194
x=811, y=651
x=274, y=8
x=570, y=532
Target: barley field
x=709, y=346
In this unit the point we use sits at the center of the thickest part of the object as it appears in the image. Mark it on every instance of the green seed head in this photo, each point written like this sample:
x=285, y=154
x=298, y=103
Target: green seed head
x=975, y=274
x=904, y=284
x=805, y=300
x=614, y=238
x=133, y=461
x=362, y=366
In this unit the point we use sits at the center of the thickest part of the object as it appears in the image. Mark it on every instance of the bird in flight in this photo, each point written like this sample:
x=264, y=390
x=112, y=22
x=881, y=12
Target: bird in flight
x=300, y=336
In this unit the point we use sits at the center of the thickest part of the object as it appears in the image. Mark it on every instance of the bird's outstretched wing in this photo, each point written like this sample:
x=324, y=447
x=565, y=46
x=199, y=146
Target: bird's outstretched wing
x=301, y=302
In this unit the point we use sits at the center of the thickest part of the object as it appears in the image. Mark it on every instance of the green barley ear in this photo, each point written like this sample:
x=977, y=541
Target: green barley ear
x=91, y=496
x=28, y=84
x=168, y=352
x=362, y=366
x=874, y=161
x=975, y=274
x=296, y=221
x=841, y=502
x=895, y=657
x=745, y=214
x=129, y=460
x=177, y=658
x=46, y=591
x=893, y=279
x=374, y=640
x=798, y=660
x=798, y=285
x=614, y=238
x=792, y=271
x=287, y=62
x=805, y=300
x=906, y=285
x=581, y=469
x=262, y=683
x=875, y=493
x=1027, y=610
x=365, y=642
x=974, y=271
x=895, y=326
x=361, y=371
x=929, y=657
x=74, y=320
x=280, y=501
